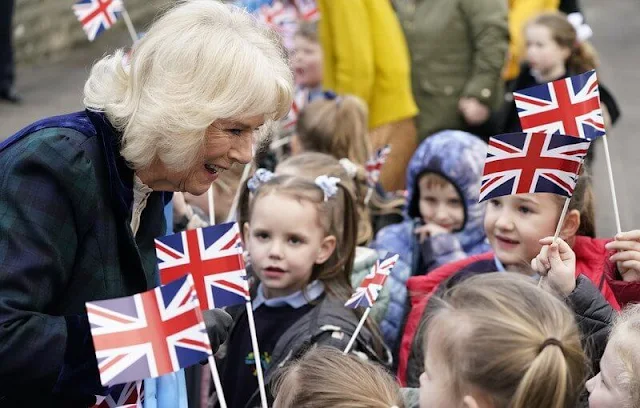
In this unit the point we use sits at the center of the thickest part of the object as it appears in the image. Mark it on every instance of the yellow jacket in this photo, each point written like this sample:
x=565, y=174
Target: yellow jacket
x=520, y=12
x=365, y=54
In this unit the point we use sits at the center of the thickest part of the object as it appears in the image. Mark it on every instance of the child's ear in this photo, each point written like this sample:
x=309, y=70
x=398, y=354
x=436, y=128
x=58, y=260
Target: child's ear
x=327, y=247
x=245, y=234
x=571, y=225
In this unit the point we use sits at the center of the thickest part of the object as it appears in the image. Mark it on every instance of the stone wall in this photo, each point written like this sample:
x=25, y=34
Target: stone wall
x=48, y=29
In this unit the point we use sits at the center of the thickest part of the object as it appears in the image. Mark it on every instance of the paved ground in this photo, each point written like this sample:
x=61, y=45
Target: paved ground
x=56, y=88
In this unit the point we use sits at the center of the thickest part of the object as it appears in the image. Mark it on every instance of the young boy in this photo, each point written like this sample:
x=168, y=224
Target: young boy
x=444, y=219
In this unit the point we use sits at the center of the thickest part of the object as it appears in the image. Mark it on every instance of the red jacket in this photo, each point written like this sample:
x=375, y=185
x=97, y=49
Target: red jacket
x=592, y=260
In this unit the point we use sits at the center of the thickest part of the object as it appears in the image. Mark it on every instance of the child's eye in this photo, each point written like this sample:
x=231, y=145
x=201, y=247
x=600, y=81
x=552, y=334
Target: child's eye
x=261, y=235
x=294, y=240
x=495, y=202
x=525, y=210
x=455, y=203
x=429, y=199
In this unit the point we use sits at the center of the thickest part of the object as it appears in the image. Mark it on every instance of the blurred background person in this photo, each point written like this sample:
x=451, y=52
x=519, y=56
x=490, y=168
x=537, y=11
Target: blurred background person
x=7, y=90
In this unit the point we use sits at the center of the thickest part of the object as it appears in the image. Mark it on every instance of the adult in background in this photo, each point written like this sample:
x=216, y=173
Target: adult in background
x=458, y=49
x=82, y=195
x=7, y=90
x=365, y=54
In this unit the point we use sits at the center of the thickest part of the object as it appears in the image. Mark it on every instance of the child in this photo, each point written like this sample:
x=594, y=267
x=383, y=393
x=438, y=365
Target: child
x=617, y=385
x=337, y=125
x=300, y=237
x=497, y=340
x=324, y=377
x=444, y=222
x=311, y=165
x=554, y=51
x=514, y=225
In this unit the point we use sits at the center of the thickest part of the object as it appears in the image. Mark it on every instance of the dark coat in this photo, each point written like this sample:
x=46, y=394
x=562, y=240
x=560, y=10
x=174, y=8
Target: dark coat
x=65, y=239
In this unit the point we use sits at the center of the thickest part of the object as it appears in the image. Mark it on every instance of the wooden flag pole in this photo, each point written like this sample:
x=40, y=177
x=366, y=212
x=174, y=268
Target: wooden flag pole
x=616, y=212
x=354, y=336
x=256, y=355
x=212, y=208
x=563, y=214
x=129, y=24
x=216, y=382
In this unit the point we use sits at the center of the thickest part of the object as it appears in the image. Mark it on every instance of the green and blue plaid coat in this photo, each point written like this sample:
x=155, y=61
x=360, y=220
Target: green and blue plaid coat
x=65, y=239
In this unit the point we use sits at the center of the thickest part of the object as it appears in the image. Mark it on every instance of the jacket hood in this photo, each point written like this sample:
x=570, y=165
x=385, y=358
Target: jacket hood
x=459, y=157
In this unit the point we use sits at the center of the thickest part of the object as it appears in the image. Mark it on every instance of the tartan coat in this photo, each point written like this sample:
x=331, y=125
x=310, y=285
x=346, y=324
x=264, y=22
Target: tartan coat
x=66, y=198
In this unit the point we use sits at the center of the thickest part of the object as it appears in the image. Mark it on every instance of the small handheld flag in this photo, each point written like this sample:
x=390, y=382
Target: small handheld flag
x=97, y=16
x=148, y=334
x=568, y=106
x=213, y=255
x=519, y=163
x=368, y=291
x=373, y=166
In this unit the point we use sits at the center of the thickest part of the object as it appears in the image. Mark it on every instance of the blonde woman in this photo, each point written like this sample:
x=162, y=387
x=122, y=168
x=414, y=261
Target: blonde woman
x=82, y=195
x=325, y=377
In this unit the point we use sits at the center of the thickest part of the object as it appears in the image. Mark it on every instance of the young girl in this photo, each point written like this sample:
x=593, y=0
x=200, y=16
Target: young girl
x=554, y=51
x=514, y=226
x=617, y=385
x=337, y=125
x=300, y=237
x=496, y=340
x=311, y=165
x=324, y=377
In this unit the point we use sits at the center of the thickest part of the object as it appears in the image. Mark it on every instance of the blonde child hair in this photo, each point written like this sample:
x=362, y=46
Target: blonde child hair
x=337, y=127
x=325, y=377
x=502, y=336
x=625, y=338
x=583, y=56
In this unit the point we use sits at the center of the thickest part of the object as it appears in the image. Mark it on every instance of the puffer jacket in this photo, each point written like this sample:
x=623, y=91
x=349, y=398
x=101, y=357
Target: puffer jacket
x=459, y=157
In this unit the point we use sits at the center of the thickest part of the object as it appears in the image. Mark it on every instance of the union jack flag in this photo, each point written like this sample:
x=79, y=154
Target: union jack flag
x=213, y=255
x=97, y=16
x=307, y=9
x=520, y=163
x=373, y=166
x=300, y=99
x=148, y=334
x=568, y=106
x=121, y=396
x=368, y=291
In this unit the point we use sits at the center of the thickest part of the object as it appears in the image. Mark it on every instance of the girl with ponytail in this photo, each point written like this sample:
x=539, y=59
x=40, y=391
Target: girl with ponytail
x=496, y=340
x=556, y=49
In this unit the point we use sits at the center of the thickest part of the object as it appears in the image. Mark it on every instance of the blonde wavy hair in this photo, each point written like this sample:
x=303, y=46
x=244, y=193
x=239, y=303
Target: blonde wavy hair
x=200, y=62
x=325, y=377
x=625, y=337
x=513, y=342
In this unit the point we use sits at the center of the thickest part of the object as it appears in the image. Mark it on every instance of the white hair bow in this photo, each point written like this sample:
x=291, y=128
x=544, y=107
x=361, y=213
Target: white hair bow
x=350, y=167
x=260, y=177
x=583, y=31
x=329, y=185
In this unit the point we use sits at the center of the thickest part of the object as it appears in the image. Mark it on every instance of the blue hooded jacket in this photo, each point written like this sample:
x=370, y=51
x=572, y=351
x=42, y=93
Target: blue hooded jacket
x=458, y=157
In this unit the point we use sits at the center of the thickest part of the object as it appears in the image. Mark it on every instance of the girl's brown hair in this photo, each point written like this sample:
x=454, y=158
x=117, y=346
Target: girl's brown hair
x=313, y=164
x=625, y=337
x=337, y=127
x=583, y=56
x=324, y=377
x=337, y=216
x=515, y=343
x=583, y=201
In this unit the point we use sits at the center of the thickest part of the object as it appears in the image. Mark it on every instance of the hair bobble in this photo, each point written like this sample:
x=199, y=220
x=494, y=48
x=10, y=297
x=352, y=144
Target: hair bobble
x=329, y=185
x=551, y=342
x=583, y=31
x=260, y=177
x=350, y=167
